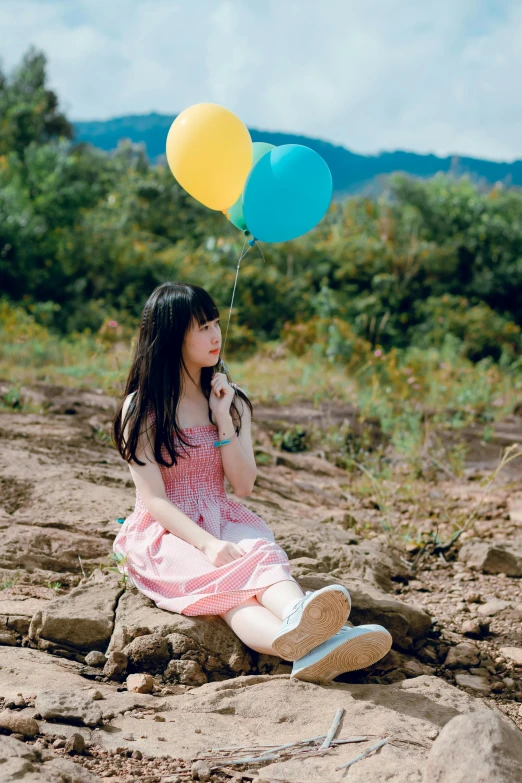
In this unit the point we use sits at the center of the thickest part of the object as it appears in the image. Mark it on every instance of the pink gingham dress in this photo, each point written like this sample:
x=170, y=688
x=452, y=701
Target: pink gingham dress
x=175, y=574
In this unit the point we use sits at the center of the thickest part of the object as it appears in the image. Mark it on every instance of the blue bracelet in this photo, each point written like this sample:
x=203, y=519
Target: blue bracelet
x=222, y=442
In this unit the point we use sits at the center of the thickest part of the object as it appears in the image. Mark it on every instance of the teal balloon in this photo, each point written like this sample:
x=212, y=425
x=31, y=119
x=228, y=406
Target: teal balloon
x=286, y=193
x=235, y=212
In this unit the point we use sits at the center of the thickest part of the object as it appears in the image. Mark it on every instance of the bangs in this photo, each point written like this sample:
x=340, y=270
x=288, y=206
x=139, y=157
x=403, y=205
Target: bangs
x=203, y=308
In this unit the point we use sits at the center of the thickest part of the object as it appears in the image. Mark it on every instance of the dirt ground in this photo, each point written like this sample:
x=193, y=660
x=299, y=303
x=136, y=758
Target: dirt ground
x=63, y=486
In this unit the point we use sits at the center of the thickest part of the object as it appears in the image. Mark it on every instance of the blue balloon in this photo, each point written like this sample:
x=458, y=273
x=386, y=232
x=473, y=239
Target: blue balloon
x=287, y=193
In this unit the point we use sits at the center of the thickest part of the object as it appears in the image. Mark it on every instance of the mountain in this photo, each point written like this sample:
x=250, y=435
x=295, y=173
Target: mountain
x=352, y=173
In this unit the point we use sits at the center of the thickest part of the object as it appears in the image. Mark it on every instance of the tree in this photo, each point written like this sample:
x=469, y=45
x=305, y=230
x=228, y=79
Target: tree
x=28, y=109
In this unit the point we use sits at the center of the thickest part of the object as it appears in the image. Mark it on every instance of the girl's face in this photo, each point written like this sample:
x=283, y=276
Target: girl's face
x=202, y=344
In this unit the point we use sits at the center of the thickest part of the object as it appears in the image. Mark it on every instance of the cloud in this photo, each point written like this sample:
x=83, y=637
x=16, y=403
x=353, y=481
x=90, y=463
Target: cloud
x=435, y=76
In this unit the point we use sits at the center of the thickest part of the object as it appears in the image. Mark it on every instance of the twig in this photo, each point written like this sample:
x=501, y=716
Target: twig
x=251, y=760
x=81, y=565
x=333, y=728
x=258, y=747
x=365, y=753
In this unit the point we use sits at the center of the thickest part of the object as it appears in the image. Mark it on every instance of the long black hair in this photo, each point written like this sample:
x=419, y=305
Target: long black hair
x=156, y=371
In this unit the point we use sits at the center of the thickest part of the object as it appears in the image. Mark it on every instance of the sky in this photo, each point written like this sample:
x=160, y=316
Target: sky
x=438, y=76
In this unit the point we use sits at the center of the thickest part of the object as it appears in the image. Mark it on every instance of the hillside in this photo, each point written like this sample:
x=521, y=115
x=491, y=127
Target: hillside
x=351, y=172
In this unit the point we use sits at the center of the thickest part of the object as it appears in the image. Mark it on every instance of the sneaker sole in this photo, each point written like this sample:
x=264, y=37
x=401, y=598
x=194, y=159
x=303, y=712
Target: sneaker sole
x=321, y=619
x=356, y=653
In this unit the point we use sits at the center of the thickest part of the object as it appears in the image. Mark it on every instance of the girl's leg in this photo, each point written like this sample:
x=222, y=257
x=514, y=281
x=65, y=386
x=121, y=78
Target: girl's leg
x=255, y=625
x=278, y=596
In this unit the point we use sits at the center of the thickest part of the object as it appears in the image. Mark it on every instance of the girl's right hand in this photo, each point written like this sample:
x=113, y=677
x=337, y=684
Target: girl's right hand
x=221, y=552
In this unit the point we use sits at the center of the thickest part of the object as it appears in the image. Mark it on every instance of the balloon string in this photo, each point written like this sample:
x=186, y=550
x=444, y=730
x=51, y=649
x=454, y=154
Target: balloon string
x=261, y=251
x=240, y=258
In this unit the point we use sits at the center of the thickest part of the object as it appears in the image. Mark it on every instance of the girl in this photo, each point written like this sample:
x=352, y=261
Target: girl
x=182, y=427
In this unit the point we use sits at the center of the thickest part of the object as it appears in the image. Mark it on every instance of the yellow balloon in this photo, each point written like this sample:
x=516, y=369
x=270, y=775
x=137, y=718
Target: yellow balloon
x=209, y=151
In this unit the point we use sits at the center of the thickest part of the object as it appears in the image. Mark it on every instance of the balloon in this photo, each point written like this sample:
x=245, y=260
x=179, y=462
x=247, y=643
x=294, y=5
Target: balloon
x=235, y=213
x=209, y=151
x=286, y=193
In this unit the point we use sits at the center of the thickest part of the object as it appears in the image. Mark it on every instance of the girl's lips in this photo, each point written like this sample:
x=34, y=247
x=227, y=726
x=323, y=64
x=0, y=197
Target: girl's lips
x=216, y=350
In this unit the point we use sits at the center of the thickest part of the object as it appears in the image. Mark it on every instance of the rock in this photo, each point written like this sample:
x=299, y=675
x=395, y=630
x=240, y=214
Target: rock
x=95, y=658
x=8, y=637
x=473, y=682
x=116, y=665
x=513, y=654
x=17, y=723
x=148, y=653
x=416, y=669
x=50, y=550
x=200, y=770
x=21, y=762
x=493, y=607
x=481, y=742
x=475, y=629
x=180, y=644
x=493, y=557
x=95, y=694
x=136, y=616
x=186, y=672
x=75, y=744
x=84, y=618
x=63, y=771
x=68, y=707
x=462, y=655
x=140, y=683
x=19, y=701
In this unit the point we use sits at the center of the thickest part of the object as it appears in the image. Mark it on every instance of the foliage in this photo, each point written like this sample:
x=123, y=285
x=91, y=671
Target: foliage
x=384, y=287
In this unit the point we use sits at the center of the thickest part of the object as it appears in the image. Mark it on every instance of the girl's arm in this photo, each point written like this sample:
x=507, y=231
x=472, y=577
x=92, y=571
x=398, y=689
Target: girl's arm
x=149, y=483
x=239, y=463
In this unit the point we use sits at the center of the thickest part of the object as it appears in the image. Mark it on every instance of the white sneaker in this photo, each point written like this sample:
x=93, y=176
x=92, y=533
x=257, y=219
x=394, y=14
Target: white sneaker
x=315, y=618
x=345, y=651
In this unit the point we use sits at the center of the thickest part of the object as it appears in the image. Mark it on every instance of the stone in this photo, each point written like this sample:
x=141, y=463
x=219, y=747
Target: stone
x=140, y=683
x=18, y=723
x=493, y=607
x=116, y=665
x=416, y=669
x=136, y=613
x=84, y=618
x=21, y=762
x=75, y=744
x=95, y=694
x=480, y=746
x=186, y=672
x=68, y=707
x=473, y=682
x=475, y=629
x=462, y=655
x=513, y=654
x=95, y=658
x=148, y=653
x=200, y=770
x=180, y=644
x=493, y=557
x=7, y=637
x=48, y=549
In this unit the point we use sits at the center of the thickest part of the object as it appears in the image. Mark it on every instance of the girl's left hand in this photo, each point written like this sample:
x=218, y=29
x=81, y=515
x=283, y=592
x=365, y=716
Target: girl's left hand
x=221, y=395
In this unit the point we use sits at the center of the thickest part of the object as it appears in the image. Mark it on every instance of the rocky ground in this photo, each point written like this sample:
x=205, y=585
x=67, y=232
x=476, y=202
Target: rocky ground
x=99, y=683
